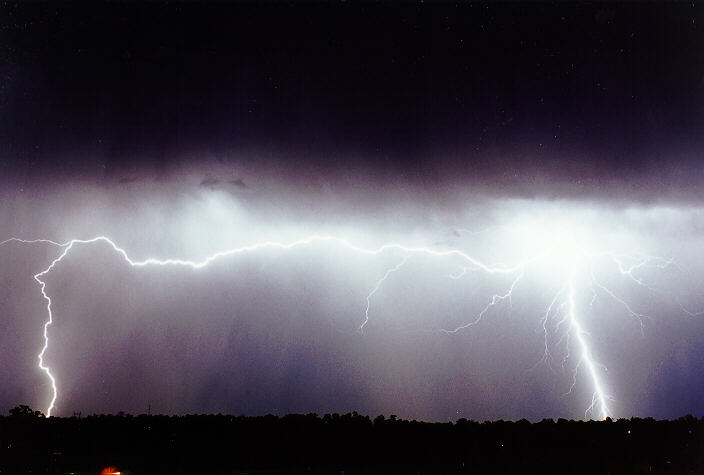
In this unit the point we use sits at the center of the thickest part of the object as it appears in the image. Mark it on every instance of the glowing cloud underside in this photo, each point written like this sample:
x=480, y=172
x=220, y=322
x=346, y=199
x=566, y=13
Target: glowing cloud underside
x=555, y=249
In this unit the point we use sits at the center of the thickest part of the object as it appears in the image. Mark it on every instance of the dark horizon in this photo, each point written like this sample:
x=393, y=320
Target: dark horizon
x=347, y=442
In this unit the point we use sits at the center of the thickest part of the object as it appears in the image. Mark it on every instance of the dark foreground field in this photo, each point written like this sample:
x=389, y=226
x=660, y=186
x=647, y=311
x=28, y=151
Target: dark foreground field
x=347, y=444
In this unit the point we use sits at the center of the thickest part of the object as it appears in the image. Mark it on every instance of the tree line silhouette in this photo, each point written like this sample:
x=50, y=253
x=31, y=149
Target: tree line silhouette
x=347, y=443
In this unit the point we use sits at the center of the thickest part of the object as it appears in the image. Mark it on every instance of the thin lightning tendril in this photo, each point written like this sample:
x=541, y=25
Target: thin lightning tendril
x=496, y=299
x=563, y=304
x=376, y=289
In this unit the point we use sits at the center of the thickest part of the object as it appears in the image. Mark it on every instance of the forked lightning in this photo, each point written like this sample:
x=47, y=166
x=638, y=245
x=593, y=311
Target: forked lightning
x=563, y=306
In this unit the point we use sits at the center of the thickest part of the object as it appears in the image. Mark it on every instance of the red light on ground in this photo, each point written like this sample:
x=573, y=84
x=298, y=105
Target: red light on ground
x=110, y=471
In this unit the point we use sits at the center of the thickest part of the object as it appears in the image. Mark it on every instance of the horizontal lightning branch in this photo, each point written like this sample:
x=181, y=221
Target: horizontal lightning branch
x=563, y=301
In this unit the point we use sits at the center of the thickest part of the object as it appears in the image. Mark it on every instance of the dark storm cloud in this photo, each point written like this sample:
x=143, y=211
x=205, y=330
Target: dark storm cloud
x=419, y=94
x=209, y=182
x=238, y=183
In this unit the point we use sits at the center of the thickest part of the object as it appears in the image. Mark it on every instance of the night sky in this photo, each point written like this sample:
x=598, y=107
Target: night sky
x=179, y=130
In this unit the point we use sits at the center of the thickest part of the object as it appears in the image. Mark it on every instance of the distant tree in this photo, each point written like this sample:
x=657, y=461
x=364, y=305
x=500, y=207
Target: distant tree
x=689, y=418
x=25, y=411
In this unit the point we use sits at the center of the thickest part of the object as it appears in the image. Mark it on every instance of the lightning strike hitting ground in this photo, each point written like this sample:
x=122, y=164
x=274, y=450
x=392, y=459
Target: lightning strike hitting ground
x=563, y=306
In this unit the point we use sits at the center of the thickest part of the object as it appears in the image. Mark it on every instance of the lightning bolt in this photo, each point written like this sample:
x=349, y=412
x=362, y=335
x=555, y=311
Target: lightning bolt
x=599, y=397
x=495, y=300
x=377, y=287
x=563, y=304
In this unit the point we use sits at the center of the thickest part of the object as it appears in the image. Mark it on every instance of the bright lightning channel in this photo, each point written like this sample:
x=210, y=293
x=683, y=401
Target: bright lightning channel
x=563, y=248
